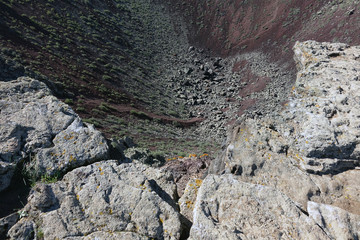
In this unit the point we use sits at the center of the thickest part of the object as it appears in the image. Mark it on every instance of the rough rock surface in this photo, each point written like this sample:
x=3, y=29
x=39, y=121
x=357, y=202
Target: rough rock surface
x=292, y=174
x=337, y=222
x=188, y=199
x=187, y=168
x=309, y=150
x=227, y=208
x=105, y=199
x=34, y=124
x=143, y=155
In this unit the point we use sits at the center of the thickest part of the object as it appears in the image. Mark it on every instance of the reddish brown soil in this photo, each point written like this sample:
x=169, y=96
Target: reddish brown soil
x=231, y=27
x=246, y=104
x=255, y=83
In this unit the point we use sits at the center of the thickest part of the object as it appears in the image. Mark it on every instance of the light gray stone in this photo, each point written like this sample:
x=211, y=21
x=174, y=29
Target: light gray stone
x=338, y=223
x=7, y=222
x=227, y=208
x=107, y=197
x=36, y=126
x=188, y=199
x=23, y=230
x=309, y=150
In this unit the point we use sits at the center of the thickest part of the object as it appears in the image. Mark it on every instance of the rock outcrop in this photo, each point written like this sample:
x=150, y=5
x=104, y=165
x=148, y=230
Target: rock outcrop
x=227, y=208
x=105, y=199
x=292, y=174
x=309, y=150
x=40, y=130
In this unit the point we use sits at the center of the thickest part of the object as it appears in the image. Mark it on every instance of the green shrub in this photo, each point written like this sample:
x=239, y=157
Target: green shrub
x=140, y=114
x=69, y=101
x=80, y=109
x=106, y=107
x=93, y=121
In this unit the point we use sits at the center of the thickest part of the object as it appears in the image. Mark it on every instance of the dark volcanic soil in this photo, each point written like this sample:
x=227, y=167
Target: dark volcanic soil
x=229, y=27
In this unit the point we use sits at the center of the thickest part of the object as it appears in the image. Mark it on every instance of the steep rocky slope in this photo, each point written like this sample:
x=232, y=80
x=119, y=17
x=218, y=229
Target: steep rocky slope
x=290, y=174
x=110, y=60
x=308, y=151
x=233, y=27
x=179, y=77
x=124, y=65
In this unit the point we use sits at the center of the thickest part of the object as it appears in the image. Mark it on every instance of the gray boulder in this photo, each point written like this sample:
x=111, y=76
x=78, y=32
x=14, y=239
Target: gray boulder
x=143, y=155
x=337, y=223
x=130, y=200
x=227, y=208
x=325, y=104
x=308, y=150
x=36, y=125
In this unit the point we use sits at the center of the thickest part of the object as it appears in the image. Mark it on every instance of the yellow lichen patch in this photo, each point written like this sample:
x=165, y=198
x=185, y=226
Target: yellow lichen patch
x=204, y=155
x=161, y=220
x=130, y=213
x=101, y=213
x=246, y=139
x=198, y=182
x=101, y=173
x=110, y=211
x=68, y=137
x=100, y=169
x=298, y=158
x=189, y=204
x=72, y=158
x=97, y=186
x=77, y=196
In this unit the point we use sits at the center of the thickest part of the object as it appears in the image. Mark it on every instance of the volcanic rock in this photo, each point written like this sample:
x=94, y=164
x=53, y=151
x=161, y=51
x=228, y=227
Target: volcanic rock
x=35, y=125
x=309, y=150
x=102, y=199
x=227, y=208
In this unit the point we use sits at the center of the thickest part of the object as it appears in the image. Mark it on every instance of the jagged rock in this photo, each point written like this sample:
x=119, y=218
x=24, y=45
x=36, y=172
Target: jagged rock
x=106, y=197
x=314, y=137
x=326, y=103
x=143, y=155
x=338, y=223
x=75, y=146
x=23, y=230
x=7, y=222
x=188, y=199
x=185, y=169
x=227, y=208
x=35, y=123
x=118, y=147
